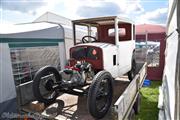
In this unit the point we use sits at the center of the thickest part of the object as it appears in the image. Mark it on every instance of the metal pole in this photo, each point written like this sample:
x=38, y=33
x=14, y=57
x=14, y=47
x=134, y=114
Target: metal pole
x=146, y=37
x=89, y=32
x=116, y=31
x=74, y=33
x=117, y=38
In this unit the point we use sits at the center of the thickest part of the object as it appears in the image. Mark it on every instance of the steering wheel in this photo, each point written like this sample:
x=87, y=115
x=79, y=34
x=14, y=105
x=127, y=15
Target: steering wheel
x=85, y=40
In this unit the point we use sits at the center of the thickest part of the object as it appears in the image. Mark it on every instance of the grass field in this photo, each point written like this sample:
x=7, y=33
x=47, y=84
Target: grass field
x=149, y=102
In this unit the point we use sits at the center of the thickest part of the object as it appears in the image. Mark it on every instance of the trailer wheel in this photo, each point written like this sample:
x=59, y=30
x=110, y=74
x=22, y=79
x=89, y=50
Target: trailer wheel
x=43, y=82
x=137, y=104
x=132, y=72
x=100, y=94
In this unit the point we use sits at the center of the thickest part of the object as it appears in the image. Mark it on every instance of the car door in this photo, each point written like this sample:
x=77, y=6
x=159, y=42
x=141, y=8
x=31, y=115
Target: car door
x=125, y=50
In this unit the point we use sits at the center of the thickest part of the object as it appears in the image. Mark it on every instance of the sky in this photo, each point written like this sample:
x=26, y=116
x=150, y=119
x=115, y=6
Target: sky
x=140, y=11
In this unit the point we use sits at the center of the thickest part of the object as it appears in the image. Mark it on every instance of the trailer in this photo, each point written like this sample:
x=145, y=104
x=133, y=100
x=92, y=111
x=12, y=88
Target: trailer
x=126, y=101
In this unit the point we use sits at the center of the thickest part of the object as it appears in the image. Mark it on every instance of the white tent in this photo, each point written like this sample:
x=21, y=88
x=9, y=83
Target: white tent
x=7, y=87
x=66, y=23
x=169, y=98
x=53, y=18
x=24, y=48
x=33, y=35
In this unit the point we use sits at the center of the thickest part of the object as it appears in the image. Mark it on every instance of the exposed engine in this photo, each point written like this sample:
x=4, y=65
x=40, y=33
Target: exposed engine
x=79, y=74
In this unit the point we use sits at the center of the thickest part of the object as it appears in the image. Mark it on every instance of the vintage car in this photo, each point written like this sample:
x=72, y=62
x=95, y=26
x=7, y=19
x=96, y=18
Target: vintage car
x=93, y=65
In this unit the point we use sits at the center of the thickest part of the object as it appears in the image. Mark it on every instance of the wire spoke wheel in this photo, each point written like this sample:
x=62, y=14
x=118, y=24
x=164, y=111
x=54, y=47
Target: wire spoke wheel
x=100, y=94
x=46, y=85
x=132, y=72
x=43, y=84
x=133, y=68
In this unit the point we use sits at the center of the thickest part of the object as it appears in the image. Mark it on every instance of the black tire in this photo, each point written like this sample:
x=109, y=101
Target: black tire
x=37, y=80
x=132, y=72
x=102, y=78
x=137, y=104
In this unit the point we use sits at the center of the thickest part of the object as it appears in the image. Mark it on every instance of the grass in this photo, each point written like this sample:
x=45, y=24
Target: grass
x=149, y=102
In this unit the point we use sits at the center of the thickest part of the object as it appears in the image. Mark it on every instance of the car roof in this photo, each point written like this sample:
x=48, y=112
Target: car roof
x=101, y=20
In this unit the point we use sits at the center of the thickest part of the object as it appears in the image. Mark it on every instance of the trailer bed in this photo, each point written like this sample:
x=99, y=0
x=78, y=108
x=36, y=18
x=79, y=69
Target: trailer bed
x=74, y=107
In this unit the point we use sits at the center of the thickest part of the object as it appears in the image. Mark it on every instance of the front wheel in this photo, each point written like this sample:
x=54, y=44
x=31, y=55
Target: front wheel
x=100, y=94
x=43, y=83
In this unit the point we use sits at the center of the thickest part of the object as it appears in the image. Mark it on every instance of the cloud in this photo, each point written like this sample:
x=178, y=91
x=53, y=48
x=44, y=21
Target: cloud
x=75, y=9
x=106, y=8
x=135, y=8
x=23, y=6
x=157, y=16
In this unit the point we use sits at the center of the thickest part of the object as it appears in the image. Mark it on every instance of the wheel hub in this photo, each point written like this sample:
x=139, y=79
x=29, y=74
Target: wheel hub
x=49, y=85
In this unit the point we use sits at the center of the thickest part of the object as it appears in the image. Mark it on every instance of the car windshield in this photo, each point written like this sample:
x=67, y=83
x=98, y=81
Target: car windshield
x=84, y=52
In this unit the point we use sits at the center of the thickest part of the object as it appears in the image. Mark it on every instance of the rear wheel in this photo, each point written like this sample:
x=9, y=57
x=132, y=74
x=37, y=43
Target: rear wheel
x=132, y=72
x=100, y=94
x=43, y=83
